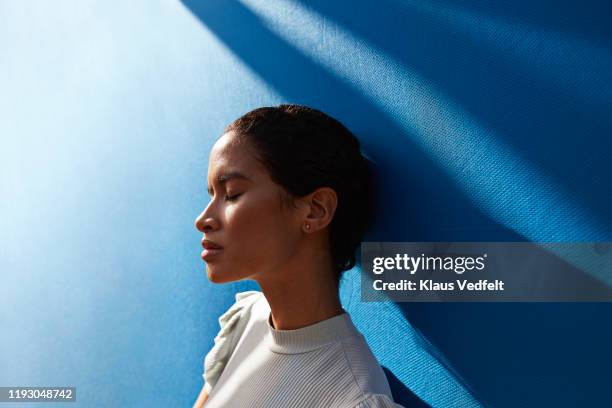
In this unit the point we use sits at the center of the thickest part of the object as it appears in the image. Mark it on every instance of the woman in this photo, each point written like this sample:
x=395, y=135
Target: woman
x=291, y=198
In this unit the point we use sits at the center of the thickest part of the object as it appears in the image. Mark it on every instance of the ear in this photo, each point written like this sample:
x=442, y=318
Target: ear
x=320, y=207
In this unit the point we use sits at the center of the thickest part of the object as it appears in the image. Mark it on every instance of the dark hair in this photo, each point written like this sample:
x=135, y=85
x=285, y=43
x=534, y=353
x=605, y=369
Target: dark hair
x=304, y=149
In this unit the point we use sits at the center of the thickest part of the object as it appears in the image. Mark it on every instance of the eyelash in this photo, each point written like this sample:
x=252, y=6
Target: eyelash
x=232, y=198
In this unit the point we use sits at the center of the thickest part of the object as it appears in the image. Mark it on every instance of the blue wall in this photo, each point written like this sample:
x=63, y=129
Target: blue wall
x=488, y=120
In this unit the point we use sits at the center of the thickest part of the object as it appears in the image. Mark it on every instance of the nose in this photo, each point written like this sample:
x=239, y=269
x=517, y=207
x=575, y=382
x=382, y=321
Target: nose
x=205, y=222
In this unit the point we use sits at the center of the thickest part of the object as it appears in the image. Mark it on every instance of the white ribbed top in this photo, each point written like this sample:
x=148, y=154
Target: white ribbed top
x=325, y=365
x=310, y=337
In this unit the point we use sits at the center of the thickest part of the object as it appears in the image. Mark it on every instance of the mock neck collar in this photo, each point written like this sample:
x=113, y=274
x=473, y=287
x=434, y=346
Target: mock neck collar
x=310, y=337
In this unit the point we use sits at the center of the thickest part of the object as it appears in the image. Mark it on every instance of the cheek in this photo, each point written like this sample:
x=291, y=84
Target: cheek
x=261, y=232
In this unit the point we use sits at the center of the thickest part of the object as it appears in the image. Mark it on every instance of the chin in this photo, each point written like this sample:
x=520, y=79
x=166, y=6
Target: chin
x=215, y=275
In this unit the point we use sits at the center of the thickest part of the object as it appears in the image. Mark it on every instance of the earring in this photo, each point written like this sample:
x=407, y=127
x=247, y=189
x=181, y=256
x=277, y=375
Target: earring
x=307, y=227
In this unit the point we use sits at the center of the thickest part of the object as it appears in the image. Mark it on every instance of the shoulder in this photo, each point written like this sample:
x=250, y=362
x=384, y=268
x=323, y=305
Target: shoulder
x=232, y=323
x=242, y=305
x=376, y=401
x=234, y=318
x=367, y=372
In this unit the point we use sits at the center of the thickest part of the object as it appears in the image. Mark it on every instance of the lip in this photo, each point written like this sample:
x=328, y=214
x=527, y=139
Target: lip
x=208, y=244
x=211, y=249
x=209, y=254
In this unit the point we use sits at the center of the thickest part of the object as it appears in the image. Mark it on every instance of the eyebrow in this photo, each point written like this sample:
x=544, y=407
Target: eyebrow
x=225, y=177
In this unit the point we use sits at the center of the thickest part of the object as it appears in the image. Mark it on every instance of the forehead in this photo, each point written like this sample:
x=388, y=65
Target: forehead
x=232, y=155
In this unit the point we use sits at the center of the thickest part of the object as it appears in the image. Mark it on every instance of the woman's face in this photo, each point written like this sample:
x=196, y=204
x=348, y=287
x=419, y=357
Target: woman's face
x=258, y=235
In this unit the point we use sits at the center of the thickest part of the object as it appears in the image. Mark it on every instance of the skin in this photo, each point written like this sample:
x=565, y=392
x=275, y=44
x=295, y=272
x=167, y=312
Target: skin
x=265, y=238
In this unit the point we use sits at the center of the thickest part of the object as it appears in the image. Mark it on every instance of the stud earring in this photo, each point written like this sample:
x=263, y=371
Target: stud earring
x=308, y=227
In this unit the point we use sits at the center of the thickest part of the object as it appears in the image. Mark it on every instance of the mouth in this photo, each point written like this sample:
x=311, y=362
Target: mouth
x=209, y=254
x=208, y=244
x=211, y=249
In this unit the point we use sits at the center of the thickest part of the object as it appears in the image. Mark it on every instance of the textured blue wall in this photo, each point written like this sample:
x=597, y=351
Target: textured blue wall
x=489, y=121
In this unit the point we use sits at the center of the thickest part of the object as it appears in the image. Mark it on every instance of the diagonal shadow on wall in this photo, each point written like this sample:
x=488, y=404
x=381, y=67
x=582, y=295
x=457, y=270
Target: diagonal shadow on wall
x=565, y=135
x=589, y=22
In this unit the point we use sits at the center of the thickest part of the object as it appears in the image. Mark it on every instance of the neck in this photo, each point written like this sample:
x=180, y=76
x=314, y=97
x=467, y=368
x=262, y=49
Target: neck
x=303, y=297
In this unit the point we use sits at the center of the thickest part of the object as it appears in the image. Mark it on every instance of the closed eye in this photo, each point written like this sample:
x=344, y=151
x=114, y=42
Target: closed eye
x=232, y=198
